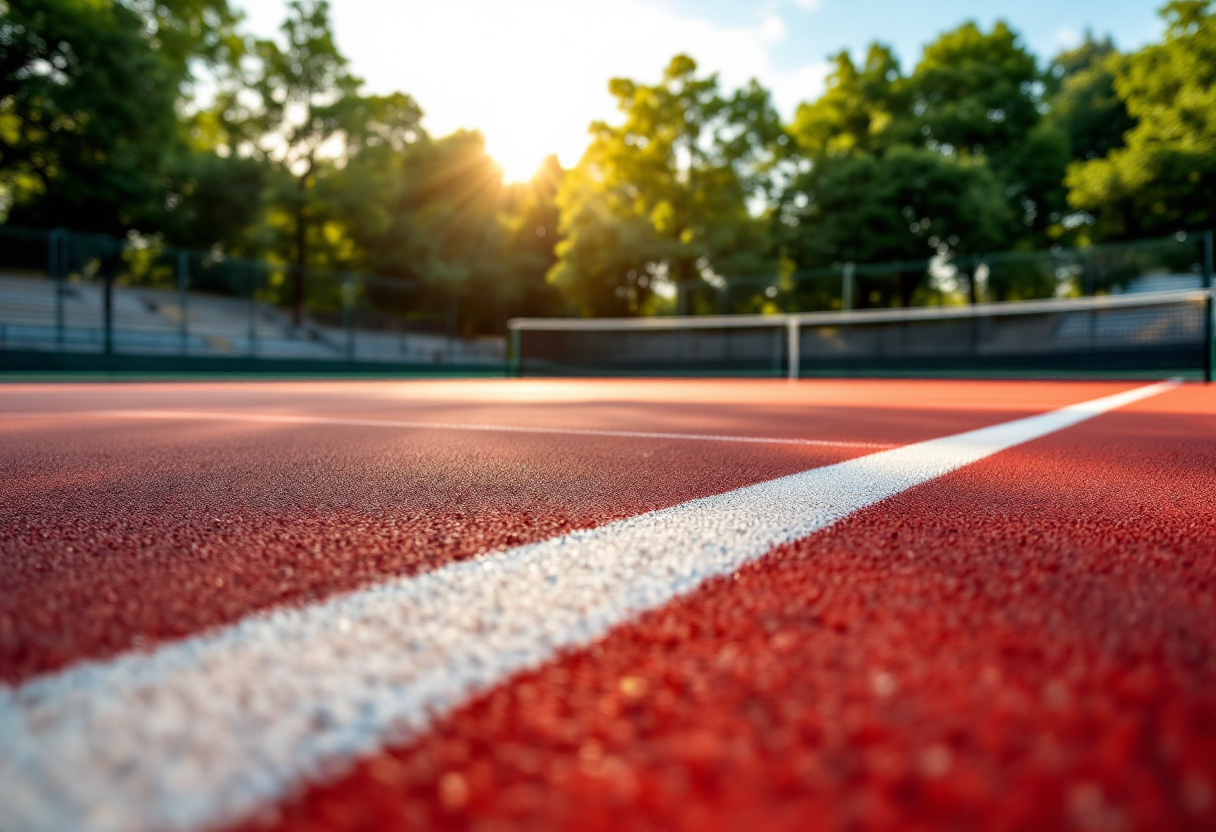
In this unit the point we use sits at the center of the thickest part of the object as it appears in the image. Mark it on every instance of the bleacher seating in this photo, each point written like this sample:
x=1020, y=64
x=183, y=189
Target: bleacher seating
x=153, y=321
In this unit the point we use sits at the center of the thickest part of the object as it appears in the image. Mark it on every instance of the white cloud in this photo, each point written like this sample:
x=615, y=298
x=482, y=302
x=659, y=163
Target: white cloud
x=1068, y=38
x=790, y=89
x=809, y=5
x=773, y=29
x=532, y=74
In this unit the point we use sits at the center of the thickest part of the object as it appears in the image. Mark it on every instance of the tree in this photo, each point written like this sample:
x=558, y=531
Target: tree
x=431, y=216
x=663, y=197
x=975, y=91
x=299, y=110
x=187, y=33
x=434, y=218
x=88, y=96
x=974, y=95
x=1082, y=99
x=1164, y=178
x=863, y=109
x=978, y=94
x=911, y=204
x=531, y=218
x=300, y=90
x=216, y=201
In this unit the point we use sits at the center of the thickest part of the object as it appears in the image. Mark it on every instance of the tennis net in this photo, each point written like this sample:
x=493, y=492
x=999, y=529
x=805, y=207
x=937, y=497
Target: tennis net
x=1114, y=335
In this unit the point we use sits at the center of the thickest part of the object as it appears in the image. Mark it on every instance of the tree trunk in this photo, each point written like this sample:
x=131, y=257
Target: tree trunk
x=908, y=281
x=684, y=284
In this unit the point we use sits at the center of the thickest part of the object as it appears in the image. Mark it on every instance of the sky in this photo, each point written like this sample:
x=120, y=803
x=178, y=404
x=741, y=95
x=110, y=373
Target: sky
x=533, y=74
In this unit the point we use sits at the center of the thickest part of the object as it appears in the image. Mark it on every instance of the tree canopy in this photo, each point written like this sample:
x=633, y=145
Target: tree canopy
x=165, y=120
x=88, y=97
x=914, y=204
x=1163, y=177
x=662, y=197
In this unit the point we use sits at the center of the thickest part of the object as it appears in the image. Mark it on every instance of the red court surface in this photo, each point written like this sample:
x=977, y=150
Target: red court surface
x=1028, y=641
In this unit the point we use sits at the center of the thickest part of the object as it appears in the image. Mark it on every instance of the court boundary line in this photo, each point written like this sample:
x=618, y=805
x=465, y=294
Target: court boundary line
x=276, y=418
x=202, y=732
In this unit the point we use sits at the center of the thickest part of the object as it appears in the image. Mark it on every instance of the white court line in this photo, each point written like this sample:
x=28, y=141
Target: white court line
x=203, y=731
x=392, y=423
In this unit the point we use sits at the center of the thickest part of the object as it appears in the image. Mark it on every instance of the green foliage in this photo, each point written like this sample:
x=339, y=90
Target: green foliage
x=216, y=201
x=437, y=214
x=299, y=112
x=662, y=197
x=864, y=109
x=913, y=203
x=977, y=94
x=86, y=114
x=441, y=207
x=300, y=92
x=1164, y=179
x=189, y=32
x=973, y=96
x=695, y=199
x=531, y=218
x=1084, y=104
x=88, y=105
x=297, y=101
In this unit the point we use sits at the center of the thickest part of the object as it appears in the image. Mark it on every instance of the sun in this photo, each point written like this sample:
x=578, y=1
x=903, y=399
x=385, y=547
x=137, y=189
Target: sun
x=518, y=159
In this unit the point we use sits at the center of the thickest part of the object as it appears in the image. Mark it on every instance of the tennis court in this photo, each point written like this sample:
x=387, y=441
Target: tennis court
x=608, y=604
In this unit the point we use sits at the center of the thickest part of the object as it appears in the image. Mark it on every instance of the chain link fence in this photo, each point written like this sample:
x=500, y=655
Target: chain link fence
x=1169, y=263
x=83, y=294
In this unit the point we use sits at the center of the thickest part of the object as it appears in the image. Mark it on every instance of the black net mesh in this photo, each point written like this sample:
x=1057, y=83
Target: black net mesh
x=1149, y=337
x=758, y=350
x=1127, y=337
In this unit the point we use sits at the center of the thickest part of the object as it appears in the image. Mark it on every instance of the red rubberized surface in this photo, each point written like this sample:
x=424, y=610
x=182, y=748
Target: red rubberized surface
x=1024, y=644
x=117, y=533
x=167, y=529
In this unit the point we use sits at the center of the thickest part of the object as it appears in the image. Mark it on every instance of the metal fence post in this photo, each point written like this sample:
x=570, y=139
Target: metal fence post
x=57, y=268
x=183, y=287
x=974, y=286
x=1209, y=346
x=846, y=286
x=1089, y=274
x=253, y=312
x=348, y=315
x=109, y=261
x=453, y=325
x=793, y=346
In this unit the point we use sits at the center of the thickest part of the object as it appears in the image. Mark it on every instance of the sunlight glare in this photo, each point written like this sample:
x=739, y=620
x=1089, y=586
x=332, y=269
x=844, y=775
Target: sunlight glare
x=520, y=157
x=515, y=103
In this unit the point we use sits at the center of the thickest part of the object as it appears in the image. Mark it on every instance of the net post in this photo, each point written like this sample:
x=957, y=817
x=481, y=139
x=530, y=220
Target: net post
x=793, y=347
x=846, y=287
x=514, y=359
x=1209, y=326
